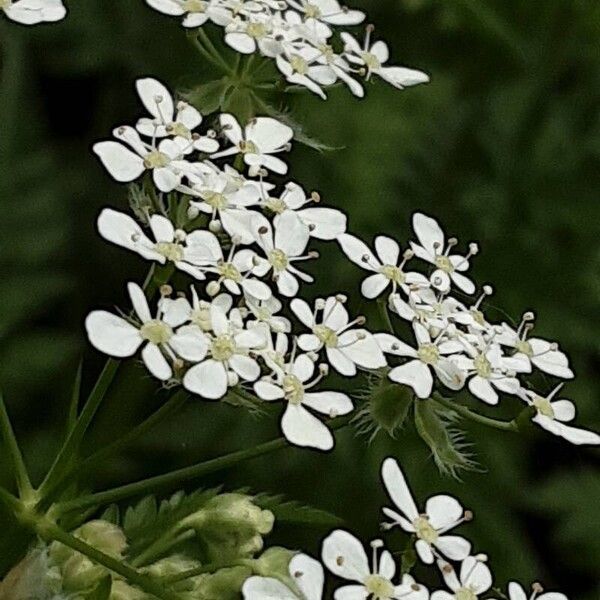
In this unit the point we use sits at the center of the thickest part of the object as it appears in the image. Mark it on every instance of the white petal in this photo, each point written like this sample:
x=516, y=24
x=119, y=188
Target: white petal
x=351, y=592
x=156, y=363
x=387, y=249
x=401, y=77
x=564, y=410
x=345, y=556
x=247, y=368
x=266, y=588
x=516, y=592
x=475, y=574
x=256, y=288
x=268, y=134
x=303, y=429
x=303, y=368
x=308, y=575
x=361, y=347
x=208, y=379
x=123, y=164
x=167, y=7
x=162, y=228
x=428, y=232
x=139, y=302
x=340, y=362
x=156, y=98
x=373, y=285
x=335, y=314
x=112, y=334
x=323, y=223
x=453, y=547
x=268, y=391
x=390, y=344
x=387, y=566
x=291, y=234
x=424, y=551
x=165, y=179
x=443, y=511
x=309, y=342
x=328, y=403
x=358, y=252
x=483, y=389
x=303, y=312
x=189, y=343
x=416, y=375
x=397, y=487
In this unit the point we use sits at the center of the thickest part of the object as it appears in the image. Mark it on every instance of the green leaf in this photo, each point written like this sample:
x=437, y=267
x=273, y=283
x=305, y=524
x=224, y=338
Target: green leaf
x=241, y=104
x=290, y=511
x=446, y=442
x=209, y=97
x=112, y=514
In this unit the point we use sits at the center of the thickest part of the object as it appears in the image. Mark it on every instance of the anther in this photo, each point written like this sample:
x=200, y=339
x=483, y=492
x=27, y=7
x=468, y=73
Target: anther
x=473, y=248
x=408, y=254
x=180, y=235
x=488, y=290
x=315, y=196
x=324, y=369
x=361, y=320
x=166, y=290
x=319, y=303
x=215, y=226
x=313, y=254
x=468, y=515
x=452, y=242
x=377, y=544
x=341, y=298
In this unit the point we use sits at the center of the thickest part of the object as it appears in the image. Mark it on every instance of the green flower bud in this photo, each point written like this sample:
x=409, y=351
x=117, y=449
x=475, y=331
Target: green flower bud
x=224, y=584
x=274, y=562
x=231, y=526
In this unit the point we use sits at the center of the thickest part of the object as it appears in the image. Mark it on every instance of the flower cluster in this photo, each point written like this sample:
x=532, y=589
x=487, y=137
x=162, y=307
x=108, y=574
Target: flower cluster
x=32, y=12
x=455, y=342
x=299, y=36
x=466, y=576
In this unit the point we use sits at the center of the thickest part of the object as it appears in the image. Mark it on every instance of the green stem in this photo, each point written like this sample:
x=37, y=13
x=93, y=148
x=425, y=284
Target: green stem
x=24, y=486
x=465, y=412
x=385, y=314
x=208, y=568
x=161, y=546
x=181, y=475
x=212, y=49
x=206, y=54
x=51, y=532
x=167, y=409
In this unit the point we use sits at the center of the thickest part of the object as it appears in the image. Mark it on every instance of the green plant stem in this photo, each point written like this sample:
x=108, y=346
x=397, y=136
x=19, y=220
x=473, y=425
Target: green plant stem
x=166, y=410
x=385, y=314
x=181, y=475
x=212, y=49
x=208, y=568
x=206, y=54
x=465, y=412
x=162, y=546
x=24, y=486
x=51, y=532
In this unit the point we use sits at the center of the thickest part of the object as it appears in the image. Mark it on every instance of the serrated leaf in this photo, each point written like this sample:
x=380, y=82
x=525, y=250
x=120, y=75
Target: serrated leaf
x=291, y=511
x=112, y=514
x=436, y=427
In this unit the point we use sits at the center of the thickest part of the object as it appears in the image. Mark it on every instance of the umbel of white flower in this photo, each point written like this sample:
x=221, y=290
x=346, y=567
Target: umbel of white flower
x=33, y=12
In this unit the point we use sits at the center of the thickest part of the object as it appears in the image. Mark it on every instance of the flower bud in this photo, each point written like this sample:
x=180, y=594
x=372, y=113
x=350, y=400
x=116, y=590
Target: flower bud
x=123, y=591
x=274, y=562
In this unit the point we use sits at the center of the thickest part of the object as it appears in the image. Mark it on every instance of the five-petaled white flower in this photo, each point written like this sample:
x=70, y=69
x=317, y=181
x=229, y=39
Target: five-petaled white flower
x=345, y=557
x=261, y=138
x=553, y=416
x=427, y=356
x=186, y=251
x=298, y=424
x=227, y=349
x=119, y=337
x=331, y=329
x=384, y=266
x=442, y=513
x=475, y=579
x=306, y=573
x=32, y=12
x=433, y=248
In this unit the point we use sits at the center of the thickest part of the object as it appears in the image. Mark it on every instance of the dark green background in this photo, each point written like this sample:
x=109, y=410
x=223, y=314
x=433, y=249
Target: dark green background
x=502, y=146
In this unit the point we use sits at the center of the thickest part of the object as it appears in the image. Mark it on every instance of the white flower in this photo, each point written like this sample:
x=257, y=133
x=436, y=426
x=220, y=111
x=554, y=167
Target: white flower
x=298, y=424
x=306, y=573
x=235, y=272
x=196, y=12
x=516, y=592
x=323, y=223
x=126, y=165
x=345, y=557
x=487, y=369
x=300, y=66
x=118, y=337
x=374, y=57
x=261, y=138
x=166, y=121
x=186, y=251
x=345, y=347
x=281, y=249
x=433, y=248
x=228, y=349
x=475, y=579
x=442, y=513
x=275, y=349
x=534, y=351
x=328, y=11
x=32, y=12
x=552, y=415
x=265, y=311
x=428, y=355
x=384, y=266
x=256, y=31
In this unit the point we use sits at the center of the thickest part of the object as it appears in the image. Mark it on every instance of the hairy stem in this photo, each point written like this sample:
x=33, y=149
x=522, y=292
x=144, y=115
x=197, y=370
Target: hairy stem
x=181, y=475
x=467, y=413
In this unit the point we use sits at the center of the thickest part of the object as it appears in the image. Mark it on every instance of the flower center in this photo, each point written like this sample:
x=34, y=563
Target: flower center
x=222, y=347
x=478, y=317
x=543, y=406
x=424, y=530
x=278, y=259
x=256, y=30
x=429, y=354
x=327, y=52
x=201, y=317
x=156, y=332
x=293, y=389
x=379, y=587
x=465, y=594
x=393, y=273
x=248, y=147
x=179, y=129
x=171, y=251
x=299, y=64
x=326, y=335
x=482, y=366
x=371, y=61
x=262, y=313
x=215, y=200
x=230, y=271
x=312, y=11
x=156, y=160
x=5, y=3
x=524, y=347
x=443, y=262
x=194, y=6
x=276, y=205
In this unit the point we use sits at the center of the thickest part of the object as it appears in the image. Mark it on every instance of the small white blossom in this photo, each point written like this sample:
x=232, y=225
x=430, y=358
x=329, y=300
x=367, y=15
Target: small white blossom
x=516, y=592
x=33, y=12
x=475, y=579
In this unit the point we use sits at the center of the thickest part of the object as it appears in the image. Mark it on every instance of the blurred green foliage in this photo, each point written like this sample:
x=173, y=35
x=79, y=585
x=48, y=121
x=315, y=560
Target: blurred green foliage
x=503, y=146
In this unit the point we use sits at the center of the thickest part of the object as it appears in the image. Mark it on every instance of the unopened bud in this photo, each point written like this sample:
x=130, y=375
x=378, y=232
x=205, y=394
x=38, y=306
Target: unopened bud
x=215, y=226
x=468, y=515
x=232, y=378
x=213, y=288
x=192, y=212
